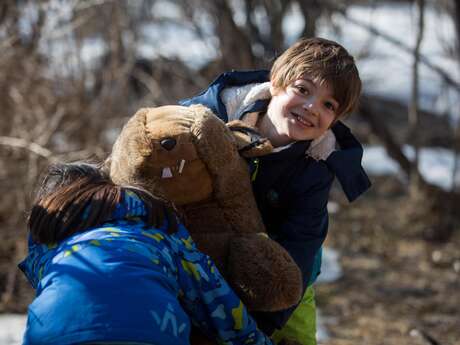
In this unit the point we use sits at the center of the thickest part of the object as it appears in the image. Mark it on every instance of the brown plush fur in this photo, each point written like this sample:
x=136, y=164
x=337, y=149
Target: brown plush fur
x=214, y=192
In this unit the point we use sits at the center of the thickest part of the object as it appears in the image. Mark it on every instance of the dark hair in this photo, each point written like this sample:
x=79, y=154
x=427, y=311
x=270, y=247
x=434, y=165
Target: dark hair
x=77, y=196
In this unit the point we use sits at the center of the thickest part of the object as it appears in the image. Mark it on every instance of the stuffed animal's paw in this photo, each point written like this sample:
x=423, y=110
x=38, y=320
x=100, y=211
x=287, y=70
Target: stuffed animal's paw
x=263, y=274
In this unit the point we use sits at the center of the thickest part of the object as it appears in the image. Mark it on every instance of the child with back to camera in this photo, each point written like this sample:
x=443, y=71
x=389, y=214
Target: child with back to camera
x=112, y=265
x=298, y=106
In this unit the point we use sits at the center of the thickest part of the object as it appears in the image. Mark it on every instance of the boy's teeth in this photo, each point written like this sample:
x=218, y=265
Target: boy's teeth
x=300, y=119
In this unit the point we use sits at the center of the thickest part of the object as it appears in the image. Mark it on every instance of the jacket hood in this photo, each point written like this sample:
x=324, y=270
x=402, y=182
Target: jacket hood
x=130, y=208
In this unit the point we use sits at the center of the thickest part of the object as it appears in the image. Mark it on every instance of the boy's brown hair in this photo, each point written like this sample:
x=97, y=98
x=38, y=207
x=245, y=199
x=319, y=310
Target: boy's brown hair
x=323, y=61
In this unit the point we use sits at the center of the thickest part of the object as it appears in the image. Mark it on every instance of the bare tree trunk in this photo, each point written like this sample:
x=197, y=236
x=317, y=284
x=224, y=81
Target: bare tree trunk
x=276, y=10
x=456, y=150
x=456, y=146
x=234, y=44
x=311, y=11
x=414, y=103
x=457, y=22
x=272, y=41
x=380, y=129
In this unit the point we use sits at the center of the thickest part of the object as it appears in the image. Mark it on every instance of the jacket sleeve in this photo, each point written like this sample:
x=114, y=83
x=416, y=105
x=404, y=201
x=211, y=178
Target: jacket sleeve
x=212, y=305
x=210, y=97
x=302, y=233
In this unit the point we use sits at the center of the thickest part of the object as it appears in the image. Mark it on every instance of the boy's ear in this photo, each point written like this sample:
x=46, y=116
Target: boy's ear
x=273, y=89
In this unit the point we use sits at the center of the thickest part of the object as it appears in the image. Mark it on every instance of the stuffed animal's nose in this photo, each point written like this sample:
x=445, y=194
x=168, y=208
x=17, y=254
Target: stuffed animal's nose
x=168, y=143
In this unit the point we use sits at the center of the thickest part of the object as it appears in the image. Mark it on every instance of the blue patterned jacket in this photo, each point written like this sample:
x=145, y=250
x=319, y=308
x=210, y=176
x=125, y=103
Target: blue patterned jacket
x=126, y=282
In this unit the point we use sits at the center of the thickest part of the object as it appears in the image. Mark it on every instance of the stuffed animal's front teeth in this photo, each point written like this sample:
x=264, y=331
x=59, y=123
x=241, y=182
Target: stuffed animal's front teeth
x=166, y=173
x=181, y=166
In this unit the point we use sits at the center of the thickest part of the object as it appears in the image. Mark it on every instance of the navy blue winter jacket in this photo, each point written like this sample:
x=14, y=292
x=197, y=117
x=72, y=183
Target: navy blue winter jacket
x=292, y=189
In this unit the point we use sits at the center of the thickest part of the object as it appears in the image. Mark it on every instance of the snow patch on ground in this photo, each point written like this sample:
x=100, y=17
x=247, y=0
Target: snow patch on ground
x=330, y=266
x=321, y=331
x=435, y=164
x=330, y=272
x=11, y=328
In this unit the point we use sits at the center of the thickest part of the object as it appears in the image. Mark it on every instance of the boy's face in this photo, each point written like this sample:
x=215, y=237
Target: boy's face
x=304, y=110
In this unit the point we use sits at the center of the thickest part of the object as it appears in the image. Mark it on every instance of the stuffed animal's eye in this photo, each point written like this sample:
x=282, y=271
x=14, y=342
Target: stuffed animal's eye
x=168, y=143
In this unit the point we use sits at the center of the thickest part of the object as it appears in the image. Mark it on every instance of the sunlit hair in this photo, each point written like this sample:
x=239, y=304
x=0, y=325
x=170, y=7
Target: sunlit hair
x=322, y=61
x=77, y=196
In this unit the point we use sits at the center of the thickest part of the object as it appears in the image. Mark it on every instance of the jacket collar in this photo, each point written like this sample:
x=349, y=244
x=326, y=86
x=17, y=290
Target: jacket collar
x=210, y=97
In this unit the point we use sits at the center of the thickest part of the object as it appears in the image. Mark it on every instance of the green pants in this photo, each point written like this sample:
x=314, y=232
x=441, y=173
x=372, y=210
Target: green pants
x=301, y=326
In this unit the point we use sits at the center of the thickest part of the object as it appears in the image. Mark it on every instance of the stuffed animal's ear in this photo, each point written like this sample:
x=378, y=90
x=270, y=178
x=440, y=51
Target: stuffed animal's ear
x=249, y=142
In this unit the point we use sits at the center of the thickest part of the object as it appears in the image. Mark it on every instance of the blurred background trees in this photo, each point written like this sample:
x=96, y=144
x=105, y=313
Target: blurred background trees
x=71, y=72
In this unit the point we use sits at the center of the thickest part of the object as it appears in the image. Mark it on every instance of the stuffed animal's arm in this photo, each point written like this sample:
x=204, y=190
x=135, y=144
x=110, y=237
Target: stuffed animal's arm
x=261, y=272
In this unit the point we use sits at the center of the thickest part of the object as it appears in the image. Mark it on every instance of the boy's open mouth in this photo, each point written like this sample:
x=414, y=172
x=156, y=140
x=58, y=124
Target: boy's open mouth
x=302, y=121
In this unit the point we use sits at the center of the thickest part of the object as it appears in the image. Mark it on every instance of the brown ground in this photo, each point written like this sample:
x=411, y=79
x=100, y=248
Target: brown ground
x=396, y=288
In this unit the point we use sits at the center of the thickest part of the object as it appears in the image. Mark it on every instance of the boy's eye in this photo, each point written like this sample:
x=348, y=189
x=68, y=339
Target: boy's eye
x=302, y=89
x=329, y=106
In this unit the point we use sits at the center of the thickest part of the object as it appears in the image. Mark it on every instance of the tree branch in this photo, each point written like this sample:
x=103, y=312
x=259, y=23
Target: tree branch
x=380, y=129
x=443, y=74
x=414, y=102
x=29, y=146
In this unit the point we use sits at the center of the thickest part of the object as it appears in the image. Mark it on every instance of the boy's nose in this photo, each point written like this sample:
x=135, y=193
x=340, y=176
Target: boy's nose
x=310, y=105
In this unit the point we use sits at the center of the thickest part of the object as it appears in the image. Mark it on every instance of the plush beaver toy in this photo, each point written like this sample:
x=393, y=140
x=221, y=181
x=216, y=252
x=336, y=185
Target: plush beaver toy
x=190, y=157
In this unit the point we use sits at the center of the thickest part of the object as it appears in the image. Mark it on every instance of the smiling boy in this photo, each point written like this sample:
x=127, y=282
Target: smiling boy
x=298, y=107
x=304, y=110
